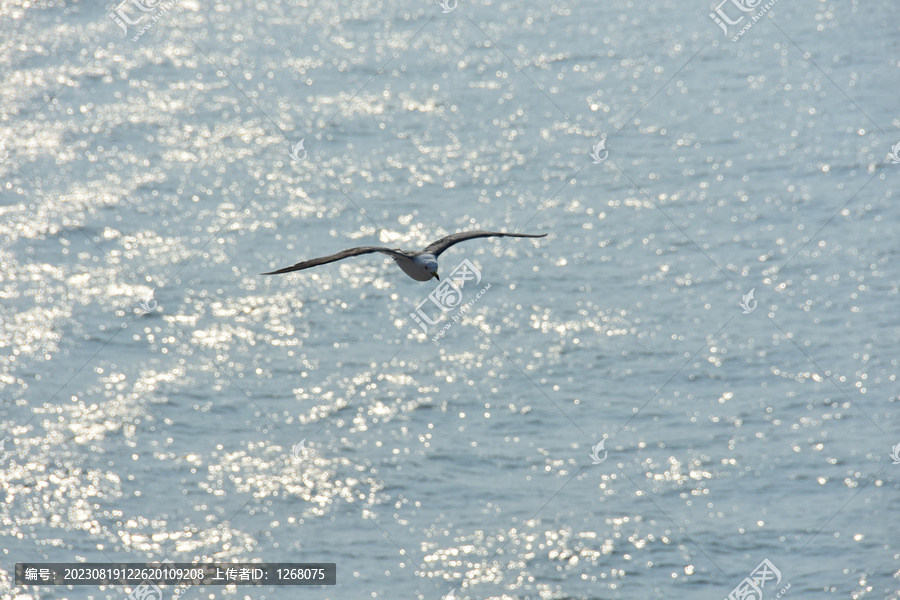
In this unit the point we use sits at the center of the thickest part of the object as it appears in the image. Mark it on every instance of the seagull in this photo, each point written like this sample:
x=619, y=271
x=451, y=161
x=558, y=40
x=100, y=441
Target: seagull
x=421, y=266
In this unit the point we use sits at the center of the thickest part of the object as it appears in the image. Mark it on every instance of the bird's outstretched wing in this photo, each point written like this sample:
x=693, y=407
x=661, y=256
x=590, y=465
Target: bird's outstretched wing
x=322, y=260
x=442, y=244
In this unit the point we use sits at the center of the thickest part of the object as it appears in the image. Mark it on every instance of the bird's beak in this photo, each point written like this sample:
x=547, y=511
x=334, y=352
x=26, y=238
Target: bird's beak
x=436, y=277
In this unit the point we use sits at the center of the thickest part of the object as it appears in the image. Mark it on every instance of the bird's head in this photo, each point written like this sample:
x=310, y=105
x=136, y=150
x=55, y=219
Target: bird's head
x=429, y=263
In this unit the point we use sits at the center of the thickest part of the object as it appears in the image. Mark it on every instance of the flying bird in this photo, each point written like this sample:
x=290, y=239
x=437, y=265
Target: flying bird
x=421, y=266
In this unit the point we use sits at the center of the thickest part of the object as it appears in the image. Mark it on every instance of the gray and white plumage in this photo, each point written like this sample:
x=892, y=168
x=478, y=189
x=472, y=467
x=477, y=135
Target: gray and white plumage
x=421, y=266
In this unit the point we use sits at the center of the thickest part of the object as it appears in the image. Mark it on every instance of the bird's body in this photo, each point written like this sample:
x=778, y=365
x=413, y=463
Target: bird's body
x=421, y=266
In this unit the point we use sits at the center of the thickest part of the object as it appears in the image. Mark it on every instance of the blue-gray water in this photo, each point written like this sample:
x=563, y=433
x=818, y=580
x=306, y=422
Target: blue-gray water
x=163, y=163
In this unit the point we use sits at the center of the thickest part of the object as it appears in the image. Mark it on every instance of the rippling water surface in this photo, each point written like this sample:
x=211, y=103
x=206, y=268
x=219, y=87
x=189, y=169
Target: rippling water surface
x=306, y=417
